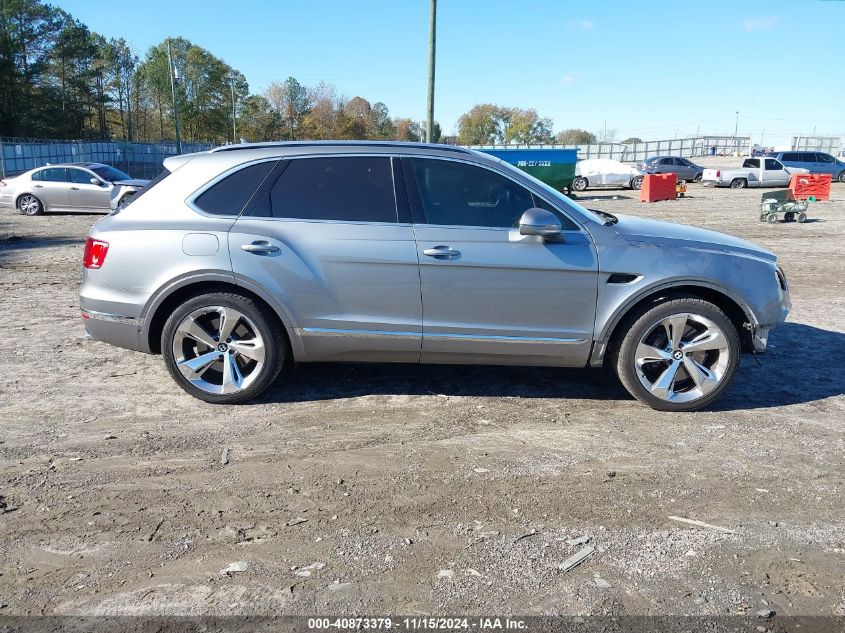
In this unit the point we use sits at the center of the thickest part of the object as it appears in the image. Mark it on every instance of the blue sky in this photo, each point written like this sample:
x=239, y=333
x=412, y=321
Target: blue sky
x=648, y=69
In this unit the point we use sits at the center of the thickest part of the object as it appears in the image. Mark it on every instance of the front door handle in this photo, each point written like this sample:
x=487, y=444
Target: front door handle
x=260, y=247
x=38, y=186
x=442, y=252
x=74, y=188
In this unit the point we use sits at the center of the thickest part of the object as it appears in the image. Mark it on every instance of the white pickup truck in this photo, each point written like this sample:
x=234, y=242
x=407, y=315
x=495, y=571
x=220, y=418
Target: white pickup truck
x=755, y=172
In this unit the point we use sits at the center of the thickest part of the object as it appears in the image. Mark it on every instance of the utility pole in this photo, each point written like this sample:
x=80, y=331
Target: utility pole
x=736, y=130
x=173, y=79
x=432, y=42
x=234, y=128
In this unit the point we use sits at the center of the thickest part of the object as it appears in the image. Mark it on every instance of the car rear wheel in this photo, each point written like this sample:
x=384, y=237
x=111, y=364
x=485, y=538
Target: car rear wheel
x=739, y=183
x=30, y=205
x=841, y=177
x=580, y=184
x=698, y=177
x=637, y=182
x=679, y=355
x=223, y=348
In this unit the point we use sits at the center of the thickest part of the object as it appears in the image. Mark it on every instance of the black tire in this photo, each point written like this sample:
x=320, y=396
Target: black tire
x=698, y=177
x=802, y=217
x=739, y=183
x=29, y=204
x=637, y=325
x=637, y=183
x=772, y=218
x=580, y=184
x=789, y=216
x=841, y=176
x=124, y=201
x=275, y=352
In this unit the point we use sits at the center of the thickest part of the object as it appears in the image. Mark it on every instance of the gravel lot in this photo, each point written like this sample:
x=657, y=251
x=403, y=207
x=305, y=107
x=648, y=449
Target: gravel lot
x=406, y=489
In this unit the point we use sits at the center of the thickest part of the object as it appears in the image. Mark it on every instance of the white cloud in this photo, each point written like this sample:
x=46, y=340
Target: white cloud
x=568, y=79
x=581, y=25
x=761, y=24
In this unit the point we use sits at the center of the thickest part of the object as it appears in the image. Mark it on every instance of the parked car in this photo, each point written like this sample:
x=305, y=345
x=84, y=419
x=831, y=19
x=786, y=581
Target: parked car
x=245, y=259
x=605, y=172
x=755, y=172
x=685, y=169
x=814, y=162
x=82, y=187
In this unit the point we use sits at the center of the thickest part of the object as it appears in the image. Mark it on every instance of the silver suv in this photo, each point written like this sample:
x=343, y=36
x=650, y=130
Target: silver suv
x=237, y=262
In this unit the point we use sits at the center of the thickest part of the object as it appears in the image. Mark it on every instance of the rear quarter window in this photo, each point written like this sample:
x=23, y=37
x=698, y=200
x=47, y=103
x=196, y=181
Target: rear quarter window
x=230, y=195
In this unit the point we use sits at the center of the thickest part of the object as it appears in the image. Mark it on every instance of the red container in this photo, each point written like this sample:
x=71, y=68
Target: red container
x=658, y=187
x=803, y=186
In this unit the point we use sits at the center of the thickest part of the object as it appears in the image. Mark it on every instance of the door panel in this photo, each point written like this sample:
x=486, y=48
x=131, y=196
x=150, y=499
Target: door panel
x=352, y=290
x=52, y=188
x=773, y=173
x=88, y=197
x=507, y=298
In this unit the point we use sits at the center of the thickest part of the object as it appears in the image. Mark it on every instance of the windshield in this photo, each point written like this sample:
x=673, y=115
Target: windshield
x=109, y=173
x=557, y=196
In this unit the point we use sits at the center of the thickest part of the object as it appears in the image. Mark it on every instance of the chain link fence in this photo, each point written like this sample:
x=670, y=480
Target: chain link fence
x=139, y=160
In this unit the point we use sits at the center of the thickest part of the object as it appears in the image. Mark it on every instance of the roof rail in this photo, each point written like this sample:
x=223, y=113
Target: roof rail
x=398, y=144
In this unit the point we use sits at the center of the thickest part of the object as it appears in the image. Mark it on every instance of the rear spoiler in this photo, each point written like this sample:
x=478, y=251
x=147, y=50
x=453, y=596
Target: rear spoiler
x=172, y=163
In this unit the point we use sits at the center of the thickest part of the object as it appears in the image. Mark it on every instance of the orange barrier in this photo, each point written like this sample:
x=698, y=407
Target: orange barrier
x=658, y=187
x=803, y=186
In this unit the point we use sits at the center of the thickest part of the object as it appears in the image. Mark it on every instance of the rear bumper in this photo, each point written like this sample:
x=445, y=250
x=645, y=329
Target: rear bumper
x=115, y=329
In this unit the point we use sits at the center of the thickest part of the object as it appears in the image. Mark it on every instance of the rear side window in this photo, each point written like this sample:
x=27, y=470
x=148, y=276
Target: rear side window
x=751, y=163
x=55, y=174
x=808, y=157
x=230, y=195
x=344, y=188
x=791, y=157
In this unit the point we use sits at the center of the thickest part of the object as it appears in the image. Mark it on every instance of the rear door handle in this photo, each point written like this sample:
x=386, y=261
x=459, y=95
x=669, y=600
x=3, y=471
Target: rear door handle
x=74, y=188
x=260, y=247
x=442, y=252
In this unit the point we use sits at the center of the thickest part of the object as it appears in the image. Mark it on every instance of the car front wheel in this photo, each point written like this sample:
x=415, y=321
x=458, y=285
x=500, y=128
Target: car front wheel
x=223, y=348
x=679, y=355
x=841, y=177
x=637, y=183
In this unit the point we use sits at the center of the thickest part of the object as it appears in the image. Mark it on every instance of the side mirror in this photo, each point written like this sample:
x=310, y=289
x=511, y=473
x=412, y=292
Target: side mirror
x=536, y=221
x=96, y=181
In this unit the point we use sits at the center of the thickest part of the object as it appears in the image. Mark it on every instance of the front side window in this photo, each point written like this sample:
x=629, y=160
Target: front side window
x=339, y=188
x=773, y=165
x=825, y=158
x=230, y=195
x=54, y=174
x=458, y=194
x=80, y=177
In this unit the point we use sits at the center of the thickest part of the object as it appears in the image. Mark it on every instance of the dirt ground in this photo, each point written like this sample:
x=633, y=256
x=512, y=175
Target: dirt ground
x=411, y=490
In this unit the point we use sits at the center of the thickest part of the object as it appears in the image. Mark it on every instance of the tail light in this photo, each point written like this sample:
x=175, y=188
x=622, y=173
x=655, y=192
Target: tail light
x=718, y=173
x=95, y=253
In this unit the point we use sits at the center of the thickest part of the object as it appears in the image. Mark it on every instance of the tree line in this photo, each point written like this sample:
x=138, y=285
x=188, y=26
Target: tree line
x=60, y=80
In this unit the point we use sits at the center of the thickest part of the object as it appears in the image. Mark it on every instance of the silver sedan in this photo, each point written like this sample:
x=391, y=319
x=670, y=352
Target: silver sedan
x=75, y=187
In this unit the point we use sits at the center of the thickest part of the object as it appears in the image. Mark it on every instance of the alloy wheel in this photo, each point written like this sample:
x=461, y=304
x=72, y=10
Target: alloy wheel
x=29, y=205
x=219, y=350
x=682, y=357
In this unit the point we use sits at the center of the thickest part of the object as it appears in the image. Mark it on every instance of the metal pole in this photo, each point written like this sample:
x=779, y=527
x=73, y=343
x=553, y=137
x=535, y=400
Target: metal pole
x=234, y=129
x=432, y=42
x=2, y=160
x=173, y=94
x=736, y=129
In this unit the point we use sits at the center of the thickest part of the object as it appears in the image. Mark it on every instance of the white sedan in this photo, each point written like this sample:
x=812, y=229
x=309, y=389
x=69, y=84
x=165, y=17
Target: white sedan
x=605, y=172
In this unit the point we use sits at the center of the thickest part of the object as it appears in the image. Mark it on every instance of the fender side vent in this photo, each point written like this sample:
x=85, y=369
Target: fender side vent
x=622, y=278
